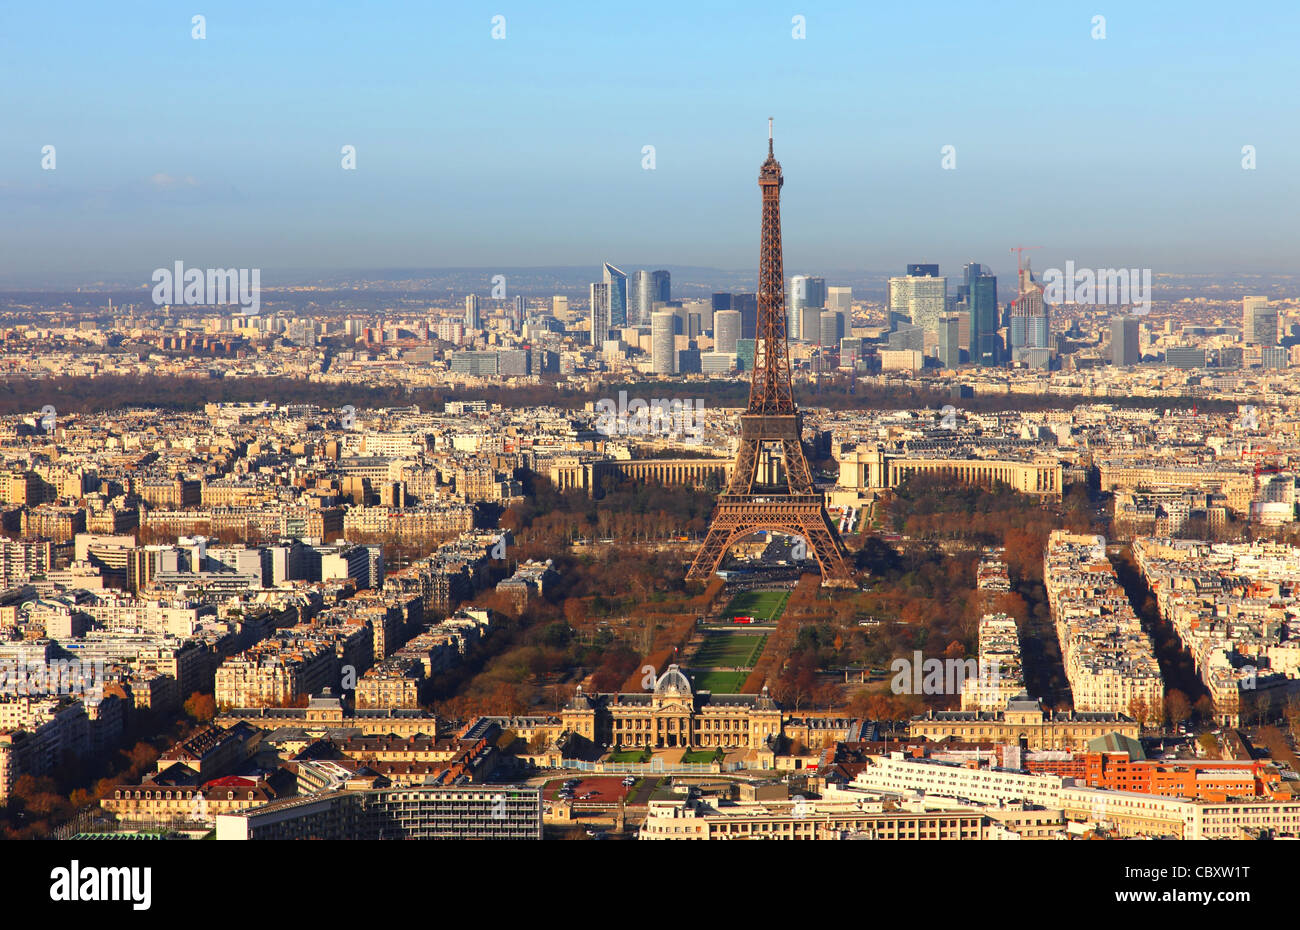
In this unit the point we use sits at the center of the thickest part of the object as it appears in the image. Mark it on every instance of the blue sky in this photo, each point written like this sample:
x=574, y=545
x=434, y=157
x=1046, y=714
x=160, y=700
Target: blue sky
x=528, y=150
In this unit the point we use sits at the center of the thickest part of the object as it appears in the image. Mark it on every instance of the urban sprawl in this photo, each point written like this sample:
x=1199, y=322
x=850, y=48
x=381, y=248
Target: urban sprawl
x=351, y=619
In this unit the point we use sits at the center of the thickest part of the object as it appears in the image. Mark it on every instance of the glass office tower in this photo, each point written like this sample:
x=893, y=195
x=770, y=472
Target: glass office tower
x=616, y=281
x=982, y=296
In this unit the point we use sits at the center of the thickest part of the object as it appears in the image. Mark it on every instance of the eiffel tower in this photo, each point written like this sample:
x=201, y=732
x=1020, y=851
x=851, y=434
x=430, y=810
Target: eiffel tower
x=791, y=505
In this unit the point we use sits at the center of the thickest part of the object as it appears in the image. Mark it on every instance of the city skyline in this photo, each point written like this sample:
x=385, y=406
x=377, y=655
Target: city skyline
x=355, y=484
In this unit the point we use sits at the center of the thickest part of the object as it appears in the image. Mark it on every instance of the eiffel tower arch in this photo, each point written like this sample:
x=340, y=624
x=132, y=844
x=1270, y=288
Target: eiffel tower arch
x=790, y=505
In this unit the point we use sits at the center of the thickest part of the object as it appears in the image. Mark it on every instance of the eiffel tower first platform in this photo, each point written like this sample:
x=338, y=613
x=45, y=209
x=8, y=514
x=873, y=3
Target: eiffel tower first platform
x=792, y=506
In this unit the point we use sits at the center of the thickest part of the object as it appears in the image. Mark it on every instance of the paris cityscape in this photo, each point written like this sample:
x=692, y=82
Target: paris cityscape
x=817, y=526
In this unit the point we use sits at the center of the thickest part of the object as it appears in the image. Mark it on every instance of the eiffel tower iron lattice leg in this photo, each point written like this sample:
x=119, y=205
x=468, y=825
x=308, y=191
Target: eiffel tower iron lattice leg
x=802, y=516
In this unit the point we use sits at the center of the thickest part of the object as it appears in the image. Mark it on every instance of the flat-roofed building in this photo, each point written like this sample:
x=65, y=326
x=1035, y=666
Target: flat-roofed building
x=505, y=812
x=688, y=819
x=1024, y=719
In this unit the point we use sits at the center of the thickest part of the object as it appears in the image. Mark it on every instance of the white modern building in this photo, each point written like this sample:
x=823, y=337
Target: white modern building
x=663, y=342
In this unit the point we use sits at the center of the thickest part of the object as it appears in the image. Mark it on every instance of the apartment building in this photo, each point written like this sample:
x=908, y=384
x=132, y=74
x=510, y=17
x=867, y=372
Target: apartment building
x=1108, y=658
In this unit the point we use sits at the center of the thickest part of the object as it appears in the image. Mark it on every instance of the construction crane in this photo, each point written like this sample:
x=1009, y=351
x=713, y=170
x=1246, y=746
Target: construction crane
x=1263, y=468
x=1019, y=250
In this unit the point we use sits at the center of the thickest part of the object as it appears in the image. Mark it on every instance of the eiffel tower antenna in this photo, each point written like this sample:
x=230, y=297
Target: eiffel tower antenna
x=784, y=500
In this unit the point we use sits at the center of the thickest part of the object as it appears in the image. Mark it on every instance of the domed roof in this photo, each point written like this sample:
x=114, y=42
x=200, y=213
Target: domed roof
x=673, y=682
x=580, y=701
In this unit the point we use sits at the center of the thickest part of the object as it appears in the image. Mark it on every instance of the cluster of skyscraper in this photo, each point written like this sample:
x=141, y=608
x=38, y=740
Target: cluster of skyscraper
x=952, y=329
x=965, y=326
x=816, y=313
x=647, y=305
x=614, y=305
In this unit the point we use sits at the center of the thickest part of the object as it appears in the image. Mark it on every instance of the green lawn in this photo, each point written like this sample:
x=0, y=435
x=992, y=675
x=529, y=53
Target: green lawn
x=629, y=755
x=719, y=682
x=701, y=755
x=729, y=649
x=761, y=605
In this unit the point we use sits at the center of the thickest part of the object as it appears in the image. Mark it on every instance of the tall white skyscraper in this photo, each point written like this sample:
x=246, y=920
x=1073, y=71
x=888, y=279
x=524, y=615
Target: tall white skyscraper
x=805, y=293
x=726, y=330
x=639, y=301
x=663, y=342
x=473, y=321
x=647, y=288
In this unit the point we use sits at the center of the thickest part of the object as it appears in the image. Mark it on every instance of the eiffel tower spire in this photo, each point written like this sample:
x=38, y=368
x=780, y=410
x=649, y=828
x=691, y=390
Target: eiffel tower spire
x=791, y=505
x=769, y=385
